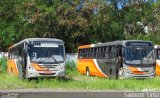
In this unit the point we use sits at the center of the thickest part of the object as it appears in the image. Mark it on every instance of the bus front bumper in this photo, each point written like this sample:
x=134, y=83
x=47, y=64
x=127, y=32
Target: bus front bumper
x=139, y=76
x=36, y=74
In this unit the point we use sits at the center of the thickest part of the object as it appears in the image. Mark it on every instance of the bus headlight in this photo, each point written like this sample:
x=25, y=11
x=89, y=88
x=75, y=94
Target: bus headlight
x=152, y=70
x=62, y=66
x=127, y=70
x=31, y=67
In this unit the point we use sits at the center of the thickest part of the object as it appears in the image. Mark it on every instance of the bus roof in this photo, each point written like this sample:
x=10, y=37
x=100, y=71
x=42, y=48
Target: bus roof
x=119, y=42
x=36, y=39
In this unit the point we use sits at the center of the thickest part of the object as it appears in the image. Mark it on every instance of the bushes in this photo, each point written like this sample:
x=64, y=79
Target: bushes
x=3, y=64
x=71, y=65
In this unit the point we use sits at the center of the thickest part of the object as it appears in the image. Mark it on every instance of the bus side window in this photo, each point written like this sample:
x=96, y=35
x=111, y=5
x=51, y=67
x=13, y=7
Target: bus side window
x=79, y=53
x=158, y=53
x=107, y=52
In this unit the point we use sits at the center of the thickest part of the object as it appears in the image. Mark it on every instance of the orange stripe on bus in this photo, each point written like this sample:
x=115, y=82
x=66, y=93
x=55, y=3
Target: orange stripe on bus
x=85, y=46
x=10, y=47
x=83, y=63
x=99, y=73
x=135, y=70
x=37, y=67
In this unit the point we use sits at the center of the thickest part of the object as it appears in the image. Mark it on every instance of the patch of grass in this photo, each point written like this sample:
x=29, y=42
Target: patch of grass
x=82, y=82
x=3, y=63
x=77, y=81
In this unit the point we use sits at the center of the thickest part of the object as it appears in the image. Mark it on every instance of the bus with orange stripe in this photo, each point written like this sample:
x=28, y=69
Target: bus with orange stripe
x=157, y=49
x=118, y=59
x=37, y=57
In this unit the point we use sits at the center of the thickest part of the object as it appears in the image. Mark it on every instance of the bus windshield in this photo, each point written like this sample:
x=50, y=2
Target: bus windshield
x=46, y=52
x=139, y=55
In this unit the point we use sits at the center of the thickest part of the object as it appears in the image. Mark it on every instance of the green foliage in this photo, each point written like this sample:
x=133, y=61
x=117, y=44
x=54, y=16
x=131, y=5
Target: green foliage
x=3, y=64
x=148, y=37
x=22, y=19
x=71, y=65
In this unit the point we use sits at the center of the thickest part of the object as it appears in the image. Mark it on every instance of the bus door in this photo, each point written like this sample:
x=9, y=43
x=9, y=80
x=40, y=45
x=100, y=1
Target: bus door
x=113, y=72
x=24, y=56
x=23, y=50
x=119, y=61
x=20, y=61
x=119, y=56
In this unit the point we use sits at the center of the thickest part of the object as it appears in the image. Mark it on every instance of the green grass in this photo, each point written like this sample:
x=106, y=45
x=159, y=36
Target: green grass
x=79, y=82
x=76, y=81
x=3, y=62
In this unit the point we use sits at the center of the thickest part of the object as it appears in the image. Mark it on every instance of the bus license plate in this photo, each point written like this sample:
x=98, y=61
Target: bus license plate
x=47, y=72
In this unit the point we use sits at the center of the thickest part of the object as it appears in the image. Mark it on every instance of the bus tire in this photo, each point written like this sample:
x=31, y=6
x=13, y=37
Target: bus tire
x=11, y=70
x=87, y=72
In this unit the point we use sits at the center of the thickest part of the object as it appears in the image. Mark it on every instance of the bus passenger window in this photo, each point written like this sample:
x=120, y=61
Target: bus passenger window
x=158, y=54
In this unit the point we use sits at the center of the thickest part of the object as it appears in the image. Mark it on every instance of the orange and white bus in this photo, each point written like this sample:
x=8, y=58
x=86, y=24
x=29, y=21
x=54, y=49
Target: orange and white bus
x=157, y=49
x=118, y=59
x=37, y=57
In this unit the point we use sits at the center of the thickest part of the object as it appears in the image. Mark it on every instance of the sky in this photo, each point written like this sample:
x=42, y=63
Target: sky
x=121, y=3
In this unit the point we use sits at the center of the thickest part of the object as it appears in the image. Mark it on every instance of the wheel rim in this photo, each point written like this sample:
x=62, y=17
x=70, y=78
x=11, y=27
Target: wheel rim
x=87, y=72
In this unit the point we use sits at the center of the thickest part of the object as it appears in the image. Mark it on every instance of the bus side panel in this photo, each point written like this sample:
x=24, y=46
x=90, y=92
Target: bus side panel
x=104, y=66
x=84, y=63
x=12, y=67
x=81, y=66
x=157, y=67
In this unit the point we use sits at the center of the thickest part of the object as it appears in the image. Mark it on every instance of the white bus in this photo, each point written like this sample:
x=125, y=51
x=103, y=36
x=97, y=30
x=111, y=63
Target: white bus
x=37, y=57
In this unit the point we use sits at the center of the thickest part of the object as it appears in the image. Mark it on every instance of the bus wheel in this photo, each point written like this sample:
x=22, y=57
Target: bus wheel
x=87, y=71
x=11, y=70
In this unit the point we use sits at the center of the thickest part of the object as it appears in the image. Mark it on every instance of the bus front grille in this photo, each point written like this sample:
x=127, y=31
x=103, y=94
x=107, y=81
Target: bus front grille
x=48, y=66
x=47, y=74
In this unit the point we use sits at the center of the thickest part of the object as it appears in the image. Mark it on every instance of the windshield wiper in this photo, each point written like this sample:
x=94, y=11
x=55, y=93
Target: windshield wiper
x=54, y=59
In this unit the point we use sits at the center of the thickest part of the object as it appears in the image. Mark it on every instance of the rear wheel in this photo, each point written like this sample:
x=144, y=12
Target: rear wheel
x=11, y=70
x=87, y=71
